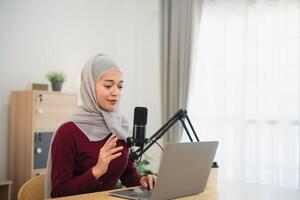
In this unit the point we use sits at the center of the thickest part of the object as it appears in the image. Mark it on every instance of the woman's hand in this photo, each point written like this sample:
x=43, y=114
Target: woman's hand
x=148, y=181
x=107, y=153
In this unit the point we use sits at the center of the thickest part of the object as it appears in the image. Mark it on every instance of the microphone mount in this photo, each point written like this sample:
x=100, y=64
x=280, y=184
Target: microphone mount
x=180, y=115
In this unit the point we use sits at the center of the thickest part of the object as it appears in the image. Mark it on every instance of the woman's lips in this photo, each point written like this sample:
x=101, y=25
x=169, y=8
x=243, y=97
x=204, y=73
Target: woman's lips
x=113, y=102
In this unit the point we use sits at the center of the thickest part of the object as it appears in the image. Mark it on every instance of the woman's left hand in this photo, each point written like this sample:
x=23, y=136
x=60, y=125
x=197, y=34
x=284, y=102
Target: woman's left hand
x=148, y=181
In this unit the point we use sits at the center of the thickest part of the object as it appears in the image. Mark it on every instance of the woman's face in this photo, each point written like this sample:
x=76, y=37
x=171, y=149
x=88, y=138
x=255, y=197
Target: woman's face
x=108, y=90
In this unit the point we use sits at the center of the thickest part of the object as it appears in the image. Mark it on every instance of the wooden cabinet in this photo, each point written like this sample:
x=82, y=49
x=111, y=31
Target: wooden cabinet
x=34, y=116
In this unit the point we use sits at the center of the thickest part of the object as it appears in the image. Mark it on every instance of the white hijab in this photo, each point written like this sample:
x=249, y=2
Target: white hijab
x=93, y=121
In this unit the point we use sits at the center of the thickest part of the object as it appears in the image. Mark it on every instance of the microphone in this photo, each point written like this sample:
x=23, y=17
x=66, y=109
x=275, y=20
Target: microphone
x=139, y=128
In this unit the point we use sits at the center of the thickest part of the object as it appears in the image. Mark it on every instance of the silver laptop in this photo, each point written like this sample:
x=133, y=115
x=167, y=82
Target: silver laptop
x=183, y=171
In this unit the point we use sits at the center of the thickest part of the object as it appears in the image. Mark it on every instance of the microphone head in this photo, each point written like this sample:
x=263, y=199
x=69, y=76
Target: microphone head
x=140, y=116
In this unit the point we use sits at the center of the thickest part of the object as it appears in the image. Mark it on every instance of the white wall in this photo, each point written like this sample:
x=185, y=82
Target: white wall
x=39, y=36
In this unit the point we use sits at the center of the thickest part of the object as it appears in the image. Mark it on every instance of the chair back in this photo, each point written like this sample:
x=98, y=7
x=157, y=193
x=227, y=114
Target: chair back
x=33, y=189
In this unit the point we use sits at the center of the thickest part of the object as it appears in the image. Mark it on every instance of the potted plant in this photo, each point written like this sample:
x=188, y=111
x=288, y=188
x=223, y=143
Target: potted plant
x=56, y=78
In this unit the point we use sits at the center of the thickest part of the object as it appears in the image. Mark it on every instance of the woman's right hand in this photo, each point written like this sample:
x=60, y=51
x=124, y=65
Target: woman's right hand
x=107, y=153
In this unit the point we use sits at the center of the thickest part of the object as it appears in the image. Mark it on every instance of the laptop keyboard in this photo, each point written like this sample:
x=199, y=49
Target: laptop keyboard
x=136, y=193
x=144, y=194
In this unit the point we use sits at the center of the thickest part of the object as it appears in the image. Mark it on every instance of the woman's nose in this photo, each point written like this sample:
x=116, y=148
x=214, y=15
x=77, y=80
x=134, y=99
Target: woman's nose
x=115, y=91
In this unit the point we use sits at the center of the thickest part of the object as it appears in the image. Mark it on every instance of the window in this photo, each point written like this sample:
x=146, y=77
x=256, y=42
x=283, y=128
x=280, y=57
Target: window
x=244, y=89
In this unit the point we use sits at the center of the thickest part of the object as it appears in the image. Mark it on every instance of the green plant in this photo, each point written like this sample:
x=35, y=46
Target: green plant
x=56, y=76
x=141, y=168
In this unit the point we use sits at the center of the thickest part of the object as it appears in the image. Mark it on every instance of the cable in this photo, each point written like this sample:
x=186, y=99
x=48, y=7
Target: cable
x=139, y=160
x=159, y=146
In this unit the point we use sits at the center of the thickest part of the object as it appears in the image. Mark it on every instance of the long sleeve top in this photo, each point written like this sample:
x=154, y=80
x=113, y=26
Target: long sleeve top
x=73, y=157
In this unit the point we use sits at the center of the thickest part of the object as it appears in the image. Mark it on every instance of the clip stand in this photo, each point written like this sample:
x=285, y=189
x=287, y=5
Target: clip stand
x=179, y=115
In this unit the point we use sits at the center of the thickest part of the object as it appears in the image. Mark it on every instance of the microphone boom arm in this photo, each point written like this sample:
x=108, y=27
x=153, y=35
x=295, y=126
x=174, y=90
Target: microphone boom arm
x=179, y=115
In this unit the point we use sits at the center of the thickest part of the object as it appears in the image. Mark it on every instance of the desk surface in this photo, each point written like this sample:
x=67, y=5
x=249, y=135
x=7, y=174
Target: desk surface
x=224, y=190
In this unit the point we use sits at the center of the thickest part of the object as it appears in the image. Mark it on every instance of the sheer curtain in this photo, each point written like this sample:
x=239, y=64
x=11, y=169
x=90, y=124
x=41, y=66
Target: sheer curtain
x=180, y=22
x=245, y=89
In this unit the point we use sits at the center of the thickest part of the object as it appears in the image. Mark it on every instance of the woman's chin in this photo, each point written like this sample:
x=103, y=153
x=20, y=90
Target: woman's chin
x=108, y=108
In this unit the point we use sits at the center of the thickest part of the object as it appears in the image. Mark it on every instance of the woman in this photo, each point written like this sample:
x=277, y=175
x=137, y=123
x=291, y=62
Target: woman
x=89, y=152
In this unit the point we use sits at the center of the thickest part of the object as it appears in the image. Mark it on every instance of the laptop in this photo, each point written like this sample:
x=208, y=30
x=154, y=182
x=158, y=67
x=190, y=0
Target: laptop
x=183, y=171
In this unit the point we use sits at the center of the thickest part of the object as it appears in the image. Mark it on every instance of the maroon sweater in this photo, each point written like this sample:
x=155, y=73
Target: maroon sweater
x=73, y=157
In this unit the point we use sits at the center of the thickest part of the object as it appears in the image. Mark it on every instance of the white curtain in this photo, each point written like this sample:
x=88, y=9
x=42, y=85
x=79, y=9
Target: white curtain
x=245, y=88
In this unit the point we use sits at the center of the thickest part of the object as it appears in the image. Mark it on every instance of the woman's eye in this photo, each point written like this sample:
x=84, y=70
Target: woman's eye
x=120, y=86
x=107, y=86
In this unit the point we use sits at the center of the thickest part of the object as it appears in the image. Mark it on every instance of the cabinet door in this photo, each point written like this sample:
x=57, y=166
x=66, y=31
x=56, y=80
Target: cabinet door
x=41, y=149
x=52, y=109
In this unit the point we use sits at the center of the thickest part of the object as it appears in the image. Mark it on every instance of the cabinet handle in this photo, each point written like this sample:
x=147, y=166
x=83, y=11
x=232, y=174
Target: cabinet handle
x=41, y=97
